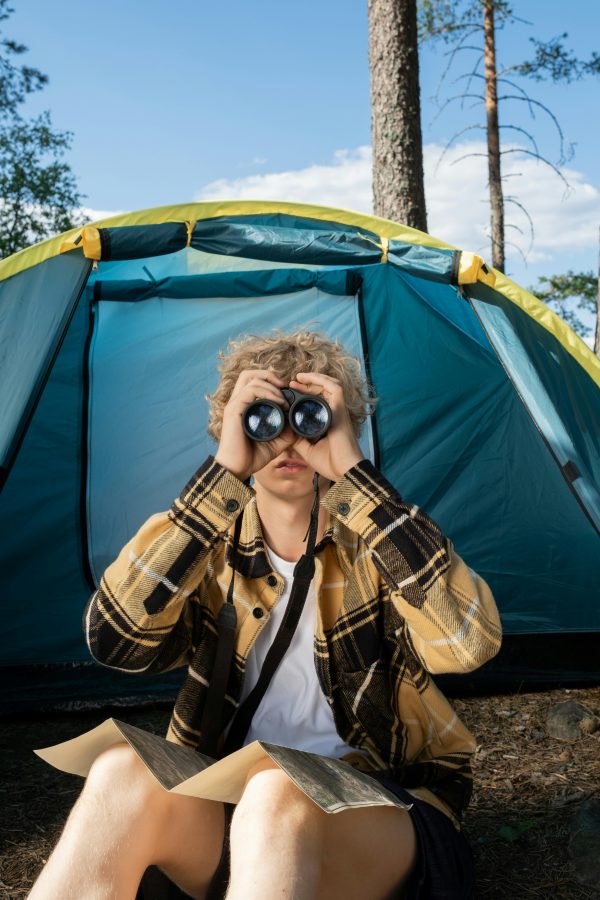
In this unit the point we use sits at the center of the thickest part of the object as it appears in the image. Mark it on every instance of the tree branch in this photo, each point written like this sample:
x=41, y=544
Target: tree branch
x=512, y=200
x=542, y=106
x=450, y=100
x=452, y=54
x=522, y=131
x=454, y=138
x=543, y=159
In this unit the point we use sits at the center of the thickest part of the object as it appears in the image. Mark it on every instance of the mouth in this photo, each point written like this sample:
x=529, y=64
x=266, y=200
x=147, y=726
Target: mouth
x=290, y=466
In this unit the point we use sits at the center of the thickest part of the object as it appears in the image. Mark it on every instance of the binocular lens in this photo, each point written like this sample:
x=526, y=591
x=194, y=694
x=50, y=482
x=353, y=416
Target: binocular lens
x=310, y=418
x=263, y=421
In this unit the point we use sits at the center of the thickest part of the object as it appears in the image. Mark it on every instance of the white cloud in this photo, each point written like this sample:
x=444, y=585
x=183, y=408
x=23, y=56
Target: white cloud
x=98, y=215
x=563, y=218
x=345, y=182
x=457, y=205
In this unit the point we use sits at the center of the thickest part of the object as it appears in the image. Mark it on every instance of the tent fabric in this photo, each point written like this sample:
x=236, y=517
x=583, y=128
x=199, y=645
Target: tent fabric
x=487, y=417
x=30, y=334
x=223, y=284
x=132, y=339
x=546, y=379
x=385, y=229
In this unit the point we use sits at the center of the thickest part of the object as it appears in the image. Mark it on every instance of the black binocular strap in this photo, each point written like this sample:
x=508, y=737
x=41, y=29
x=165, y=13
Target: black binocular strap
x=212, y=715
x=303, y=575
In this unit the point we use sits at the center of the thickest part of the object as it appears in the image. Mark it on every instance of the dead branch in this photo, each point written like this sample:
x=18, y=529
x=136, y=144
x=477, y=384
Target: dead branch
x=543, y=159
x=452, y=54
x=518, y=249
x=466, y=156
x=454, y=138
x=478, y=97
x=516, y=227
x=543, y=107
x=470, y=75
x=522, y=131
x=518, y=87
x=518, y=204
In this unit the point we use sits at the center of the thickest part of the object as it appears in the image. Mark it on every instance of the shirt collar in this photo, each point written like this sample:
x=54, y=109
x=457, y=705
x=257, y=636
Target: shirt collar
x=251, y=559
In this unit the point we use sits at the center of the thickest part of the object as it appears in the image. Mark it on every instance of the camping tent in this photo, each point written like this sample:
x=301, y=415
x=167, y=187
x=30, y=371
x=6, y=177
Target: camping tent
x=488, y=414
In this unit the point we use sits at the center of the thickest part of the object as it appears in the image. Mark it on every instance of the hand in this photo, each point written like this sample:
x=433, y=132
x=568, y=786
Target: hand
x=237, y=452
x=339, y=450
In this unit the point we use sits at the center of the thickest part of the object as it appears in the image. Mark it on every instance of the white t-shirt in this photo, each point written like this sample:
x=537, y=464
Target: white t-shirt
x=294, y=710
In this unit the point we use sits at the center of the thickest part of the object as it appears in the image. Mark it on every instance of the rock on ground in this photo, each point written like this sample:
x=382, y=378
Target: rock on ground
x=567, y=721
x=584, y=843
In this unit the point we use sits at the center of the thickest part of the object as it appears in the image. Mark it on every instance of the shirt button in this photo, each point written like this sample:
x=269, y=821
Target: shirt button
x=343, y=509
x=232, y=505
x=271, y=581
x=257, y=612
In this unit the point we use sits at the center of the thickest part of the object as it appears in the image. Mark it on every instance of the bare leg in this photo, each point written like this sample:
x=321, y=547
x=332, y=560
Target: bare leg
x=284, y=846
x=123, y=822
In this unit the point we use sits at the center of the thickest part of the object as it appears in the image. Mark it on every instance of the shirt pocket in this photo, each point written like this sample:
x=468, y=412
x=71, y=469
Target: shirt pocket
x=368, y=699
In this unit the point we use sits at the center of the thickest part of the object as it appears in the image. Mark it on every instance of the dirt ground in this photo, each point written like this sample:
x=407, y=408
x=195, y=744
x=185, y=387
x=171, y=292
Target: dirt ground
x=528, y=788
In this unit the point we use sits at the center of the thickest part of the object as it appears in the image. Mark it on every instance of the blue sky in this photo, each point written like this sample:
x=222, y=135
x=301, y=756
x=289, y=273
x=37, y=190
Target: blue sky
x=173, y=101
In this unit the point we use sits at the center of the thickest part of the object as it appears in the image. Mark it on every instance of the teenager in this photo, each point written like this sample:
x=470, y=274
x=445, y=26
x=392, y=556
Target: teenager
x=390, y=604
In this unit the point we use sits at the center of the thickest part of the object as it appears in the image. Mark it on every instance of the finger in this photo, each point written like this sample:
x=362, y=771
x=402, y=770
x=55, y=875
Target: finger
x=252, y=393
x=315, y=389
x=261, y=384
x=258, y=389
x=266, y=374
x=317, y=377
x=315, y=383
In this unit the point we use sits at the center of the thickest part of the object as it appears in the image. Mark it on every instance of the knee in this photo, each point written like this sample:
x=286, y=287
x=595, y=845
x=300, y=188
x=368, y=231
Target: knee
x=271, y=802
x=118, y=775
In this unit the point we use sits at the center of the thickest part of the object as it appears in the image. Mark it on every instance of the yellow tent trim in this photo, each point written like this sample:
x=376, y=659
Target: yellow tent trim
x=38, y=253
x=472, y=268
x=383, y=228
x=548, y=319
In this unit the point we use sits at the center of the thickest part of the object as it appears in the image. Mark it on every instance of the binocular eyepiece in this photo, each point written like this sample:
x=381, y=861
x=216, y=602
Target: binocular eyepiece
x=308, y=415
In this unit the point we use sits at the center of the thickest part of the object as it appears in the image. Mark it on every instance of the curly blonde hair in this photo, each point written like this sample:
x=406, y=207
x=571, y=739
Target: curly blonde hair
x=286, y=355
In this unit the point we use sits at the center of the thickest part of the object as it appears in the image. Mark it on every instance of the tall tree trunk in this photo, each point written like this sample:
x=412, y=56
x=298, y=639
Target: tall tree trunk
x=597, y=337
x=398, y=191
x=493, y=137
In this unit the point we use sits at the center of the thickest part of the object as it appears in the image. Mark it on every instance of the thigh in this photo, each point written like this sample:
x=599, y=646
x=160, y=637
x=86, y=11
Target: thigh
x=183, y=836
x=368, y=854
x=189, y=849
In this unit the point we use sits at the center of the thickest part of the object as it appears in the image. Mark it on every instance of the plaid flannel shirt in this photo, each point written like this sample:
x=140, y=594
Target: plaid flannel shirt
x=395, y=605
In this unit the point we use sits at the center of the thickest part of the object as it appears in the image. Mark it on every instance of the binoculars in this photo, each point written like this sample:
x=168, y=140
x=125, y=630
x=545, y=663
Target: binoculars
x=308, y=415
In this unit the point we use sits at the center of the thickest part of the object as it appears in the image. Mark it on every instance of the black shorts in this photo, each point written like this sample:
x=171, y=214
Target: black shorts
x=443, y=870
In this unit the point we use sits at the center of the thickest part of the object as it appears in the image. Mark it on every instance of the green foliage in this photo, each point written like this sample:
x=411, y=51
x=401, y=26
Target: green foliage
x=449, y=19
x=38, y=193
x=552, y=60
x=37, y=188
x=515, y=830
x=16, y=81
x=568, y=295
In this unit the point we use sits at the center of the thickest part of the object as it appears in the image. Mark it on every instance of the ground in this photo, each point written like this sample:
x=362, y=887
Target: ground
x=528, y=788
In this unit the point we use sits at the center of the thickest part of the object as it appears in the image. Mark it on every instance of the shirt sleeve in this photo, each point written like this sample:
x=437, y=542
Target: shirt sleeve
x=140, y=619
x=450, y=612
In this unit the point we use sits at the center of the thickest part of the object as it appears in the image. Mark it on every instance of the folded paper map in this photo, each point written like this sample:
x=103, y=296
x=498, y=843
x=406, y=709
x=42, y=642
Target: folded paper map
x=332, y=784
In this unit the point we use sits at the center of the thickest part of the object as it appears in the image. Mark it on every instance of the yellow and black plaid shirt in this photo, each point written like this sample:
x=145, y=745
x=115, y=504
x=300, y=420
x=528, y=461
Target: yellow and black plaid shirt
x=396, y=604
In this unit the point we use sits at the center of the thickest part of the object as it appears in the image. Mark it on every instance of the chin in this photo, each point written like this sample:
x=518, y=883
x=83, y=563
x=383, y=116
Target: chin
x=292, y=484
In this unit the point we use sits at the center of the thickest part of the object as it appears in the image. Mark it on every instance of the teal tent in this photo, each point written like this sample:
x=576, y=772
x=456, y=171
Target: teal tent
x=488, y=415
